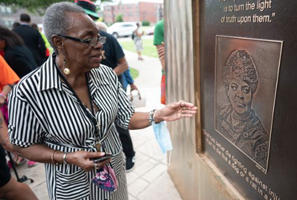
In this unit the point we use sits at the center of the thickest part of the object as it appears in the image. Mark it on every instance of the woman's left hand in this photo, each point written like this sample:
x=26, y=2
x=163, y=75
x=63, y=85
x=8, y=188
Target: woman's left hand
x=175, y=111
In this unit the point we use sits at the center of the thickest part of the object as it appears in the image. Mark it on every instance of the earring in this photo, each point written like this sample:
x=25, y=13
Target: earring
x=66, y=69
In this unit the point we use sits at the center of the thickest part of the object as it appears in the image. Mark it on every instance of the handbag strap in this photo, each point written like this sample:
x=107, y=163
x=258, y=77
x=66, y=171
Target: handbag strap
x=131, y=95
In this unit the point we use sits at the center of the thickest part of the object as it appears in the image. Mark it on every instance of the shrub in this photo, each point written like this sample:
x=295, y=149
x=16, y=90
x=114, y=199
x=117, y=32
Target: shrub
x=119, y=18
x=145, y=23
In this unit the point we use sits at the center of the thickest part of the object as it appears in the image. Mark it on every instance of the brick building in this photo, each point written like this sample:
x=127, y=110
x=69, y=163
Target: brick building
x=134, y=12
x=10, y=14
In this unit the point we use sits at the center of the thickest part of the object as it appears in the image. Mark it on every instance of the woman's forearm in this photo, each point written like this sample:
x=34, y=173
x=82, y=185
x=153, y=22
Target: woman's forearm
x=43, y=154
x=141, y=120
x=40, y=153
x=171, y=112
x=4, y=139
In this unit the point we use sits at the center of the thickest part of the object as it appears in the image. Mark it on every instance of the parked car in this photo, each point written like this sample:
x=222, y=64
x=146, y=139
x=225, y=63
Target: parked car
x=122, y=29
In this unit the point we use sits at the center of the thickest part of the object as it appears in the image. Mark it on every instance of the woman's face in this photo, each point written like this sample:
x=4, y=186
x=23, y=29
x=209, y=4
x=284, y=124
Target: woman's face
x=240, y=96
x=80, y=54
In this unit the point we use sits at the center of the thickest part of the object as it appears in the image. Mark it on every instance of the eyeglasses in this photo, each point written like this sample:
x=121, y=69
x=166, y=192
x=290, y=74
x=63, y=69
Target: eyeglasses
x=91, y=42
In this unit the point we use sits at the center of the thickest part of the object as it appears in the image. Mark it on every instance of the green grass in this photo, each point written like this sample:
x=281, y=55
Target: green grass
x=134, y=73
x=148, y=48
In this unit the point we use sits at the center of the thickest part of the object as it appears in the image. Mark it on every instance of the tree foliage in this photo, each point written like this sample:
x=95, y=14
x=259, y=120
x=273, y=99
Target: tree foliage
x=35, y=6
x=145, y=23
x=119, y=18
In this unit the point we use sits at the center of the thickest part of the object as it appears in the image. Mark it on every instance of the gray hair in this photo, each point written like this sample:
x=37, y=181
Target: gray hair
x=55, y=20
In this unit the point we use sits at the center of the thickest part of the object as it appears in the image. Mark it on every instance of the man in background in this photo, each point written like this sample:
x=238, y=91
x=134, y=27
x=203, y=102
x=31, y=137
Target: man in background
x=159, y=43
x=32, y=39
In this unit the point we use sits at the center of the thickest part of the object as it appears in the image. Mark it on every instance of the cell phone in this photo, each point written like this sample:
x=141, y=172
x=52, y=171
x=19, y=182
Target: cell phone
x=100, y=159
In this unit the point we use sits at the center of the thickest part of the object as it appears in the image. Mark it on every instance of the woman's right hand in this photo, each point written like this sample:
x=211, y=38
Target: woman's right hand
x=83, y=159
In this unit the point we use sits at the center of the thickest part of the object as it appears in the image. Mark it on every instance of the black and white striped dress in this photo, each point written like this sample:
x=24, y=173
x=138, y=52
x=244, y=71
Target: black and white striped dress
x=43, y=109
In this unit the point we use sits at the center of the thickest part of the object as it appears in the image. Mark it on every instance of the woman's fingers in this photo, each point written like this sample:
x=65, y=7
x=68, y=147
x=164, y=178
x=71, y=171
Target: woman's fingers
x=185, y=104
x=188, y=110
x=95, y=154
x=92, y=164
x=192, y=112
x=182, y=104
x=189, y=107
x=101, y=164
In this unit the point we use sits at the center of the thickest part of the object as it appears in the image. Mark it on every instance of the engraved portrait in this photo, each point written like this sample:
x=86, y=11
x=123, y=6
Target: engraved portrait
x=245, y=92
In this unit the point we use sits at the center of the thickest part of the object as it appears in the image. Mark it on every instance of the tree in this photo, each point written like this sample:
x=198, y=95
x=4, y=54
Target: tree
x=119, y=18
x=145, y=23
x=35, y=6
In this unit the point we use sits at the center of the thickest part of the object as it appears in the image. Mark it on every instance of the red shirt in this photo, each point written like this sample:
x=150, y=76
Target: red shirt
x=7, y=75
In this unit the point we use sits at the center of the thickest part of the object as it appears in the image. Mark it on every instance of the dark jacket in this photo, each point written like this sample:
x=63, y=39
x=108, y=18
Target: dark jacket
x=33, y=41
x=20, y=59
x=113, y=52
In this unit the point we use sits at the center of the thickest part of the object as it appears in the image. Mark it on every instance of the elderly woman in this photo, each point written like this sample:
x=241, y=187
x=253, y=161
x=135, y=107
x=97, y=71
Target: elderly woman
x=237, y=121
x=64, y=113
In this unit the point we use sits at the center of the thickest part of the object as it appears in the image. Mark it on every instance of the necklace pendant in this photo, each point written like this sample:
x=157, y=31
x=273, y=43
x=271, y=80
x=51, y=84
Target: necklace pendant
x=98, y=146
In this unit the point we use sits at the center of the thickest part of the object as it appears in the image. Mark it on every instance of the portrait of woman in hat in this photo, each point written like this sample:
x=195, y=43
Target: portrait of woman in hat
x=237, y=121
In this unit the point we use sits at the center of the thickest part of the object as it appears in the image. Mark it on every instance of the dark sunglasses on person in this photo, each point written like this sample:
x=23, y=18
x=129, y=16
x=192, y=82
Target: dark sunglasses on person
x=91, y=42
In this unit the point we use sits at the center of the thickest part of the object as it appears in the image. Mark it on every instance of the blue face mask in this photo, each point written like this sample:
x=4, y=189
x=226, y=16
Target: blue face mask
x=162, y=136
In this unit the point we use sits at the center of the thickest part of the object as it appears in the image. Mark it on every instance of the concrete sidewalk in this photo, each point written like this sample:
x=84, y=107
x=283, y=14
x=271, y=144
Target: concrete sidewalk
x=149, y=179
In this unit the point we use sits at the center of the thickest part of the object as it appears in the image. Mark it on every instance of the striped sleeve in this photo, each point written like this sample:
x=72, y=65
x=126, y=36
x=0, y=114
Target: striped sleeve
x=24, y=128
x=125, y=108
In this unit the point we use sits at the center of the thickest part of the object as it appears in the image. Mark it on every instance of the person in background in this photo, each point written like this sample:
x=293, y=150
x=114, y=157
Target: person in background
x=15, y=24
x=49, y=49
x=10, y=188
x=17, y=55
x=20, y=59
x=7, y=79
x=102, y=26
x=138, y=41
x=127, y=79
x=89, y=7
x=72, y=103
x=32, y=39
x=159, y=43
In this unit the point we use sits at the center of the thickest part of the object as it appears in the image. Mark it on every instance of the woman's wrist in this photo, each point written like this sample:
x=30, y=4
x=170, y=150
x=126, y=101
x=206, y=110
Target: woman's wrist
x=65, y=158
x=151, y=116
x=58, y=157
x=157, y=117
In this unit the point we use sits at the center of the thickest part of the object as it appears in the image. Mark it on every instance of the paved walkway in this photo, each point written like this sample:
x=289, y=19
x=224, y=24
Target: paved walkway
x=149, y=179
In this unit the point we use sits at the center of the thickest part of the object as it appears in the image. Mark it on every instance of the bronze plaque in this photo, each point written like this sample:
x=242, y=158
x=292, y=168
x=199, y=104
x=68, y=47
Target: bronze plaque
x=248, y=80
x=246, y=76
